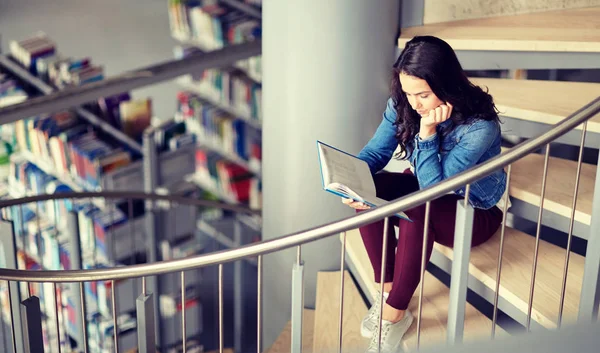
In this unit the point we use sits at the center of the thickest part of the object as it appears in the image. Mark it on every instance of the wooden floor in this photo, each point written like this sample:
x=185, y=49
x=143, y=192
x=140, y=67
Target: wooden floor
x=515, y=277
x=327, y=314
x=283, y=343
x=530, y=99
x=526, y=182
x=573, y=30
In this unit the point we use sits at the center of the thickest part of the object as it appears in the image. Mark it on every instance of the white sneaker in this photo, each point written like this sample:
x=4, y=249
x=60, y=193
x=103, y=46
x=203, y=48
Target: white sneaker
x=370, y=321
x=391, y=335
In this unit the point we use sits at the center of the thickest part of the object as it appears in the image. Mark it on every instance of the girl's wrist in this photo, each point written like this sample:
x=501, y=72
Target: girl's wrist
x=426, y=131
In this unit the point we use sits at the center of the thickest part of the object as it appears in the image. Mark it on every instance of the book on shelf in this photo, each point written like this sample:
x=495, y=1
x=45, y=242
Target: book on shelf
x=232, y=91
x=61, y=71
x=218, y=128
x=210, y=26
x=11, y=91
x=135, y=116
x=230, y=180
x=72, y=147
x=172, y=135
x=213, y=24
x=348, y=176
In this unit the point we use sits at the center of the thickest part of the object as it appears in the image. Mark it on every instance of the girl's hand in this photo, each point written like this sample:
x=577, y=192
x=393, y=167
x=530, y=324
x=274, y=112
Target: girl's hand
x=436, y=117
x=355, y=204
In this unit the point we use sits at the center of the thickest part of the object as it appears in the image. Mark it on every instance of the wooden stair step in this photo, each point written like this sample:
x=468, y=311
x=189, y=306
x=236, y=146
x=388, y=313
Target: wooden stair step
x=327, y=314
x=435, y=303
x=526, y=183
x=546, y=102
x=517, y=262
x=283, y=343
x=570, y=30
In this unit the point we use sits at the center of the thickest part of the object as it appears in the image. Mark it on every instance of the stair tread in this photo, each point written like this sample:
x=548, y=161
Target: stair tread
x=283, y=343
x=435, y=303
x=327, y=314
x=528, y=99
x=517, y=262
x=526, y=183
x=570, y=30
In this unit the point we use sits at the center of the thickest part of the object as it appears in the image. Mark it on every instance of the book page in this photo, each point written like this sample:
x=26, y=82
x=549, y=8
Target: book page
x=348, y=176
x=345, y=169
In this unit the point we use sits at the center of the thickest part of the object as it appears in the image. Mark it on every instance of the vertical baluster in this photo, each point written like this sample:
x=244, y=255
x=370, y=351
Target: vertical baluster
x=238, y=292
x=84, y=318
x=463, y=236
x=4, y=335
x=7, y=239
x=297, y=302
x=342, y=282
x=571, y=224
x=114, y=313
x=133, y=241
x=13, y=332
x=259, y=307
x=145, y=323
x=501, y=252
x=220, y=308
x=56, y=303
x=32, y=325
x=113, y=239
x=423, y=268
x=537, y=238
x=183, y=327
x=25, y=243
x=382, y=279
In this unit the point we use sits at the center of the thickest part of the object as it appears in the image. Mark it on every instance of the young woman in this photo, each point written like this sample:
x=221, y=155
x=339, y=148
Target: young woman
x=443, y=125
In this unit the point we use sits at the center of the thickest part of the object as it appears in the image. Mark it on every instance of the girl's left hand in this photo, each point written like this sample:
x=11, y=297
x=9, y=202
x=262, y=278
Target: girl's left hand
x=438, y=115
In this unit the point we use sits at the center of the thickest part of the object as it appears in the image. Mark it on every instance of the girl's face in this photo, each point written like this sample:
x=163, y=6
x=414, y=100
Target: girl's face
x=419, y=95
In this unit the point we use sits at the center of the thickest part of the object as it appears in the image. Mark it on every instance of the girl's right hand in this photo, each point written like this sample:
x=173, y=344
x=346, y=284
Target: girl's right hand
x=355, y=204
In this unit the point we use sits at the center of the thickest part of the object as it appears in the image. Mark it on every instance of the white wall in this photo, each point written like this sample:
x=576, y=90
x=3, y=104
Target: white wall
x=327, y=66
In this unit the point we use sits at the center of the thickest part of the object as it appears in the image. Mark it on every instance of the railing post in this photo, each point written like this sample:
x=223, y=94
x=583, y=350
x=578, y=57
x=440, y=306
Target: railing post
x=150, y=184
x=463, y=235
x=590, y=291
x=31, y=314
x=146, y=327
x=77, y=264
x=297, y=304
x=238, y=306
x=7, y=239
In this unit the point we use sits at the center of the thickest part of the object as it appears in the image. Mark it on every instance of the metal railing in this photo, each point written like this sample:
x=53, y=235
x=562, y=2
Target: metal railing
x=588, y=304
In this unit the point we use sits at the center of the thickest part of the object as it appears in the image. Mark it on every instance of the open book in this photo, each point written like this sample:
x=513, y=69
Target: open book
x=348, y=176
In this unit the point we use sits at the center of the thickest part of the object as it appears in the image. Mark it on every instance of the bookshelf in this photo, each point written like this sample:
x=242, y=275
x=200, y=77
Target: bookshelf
x=224, y=113
x=171, y=165
x=185, y=23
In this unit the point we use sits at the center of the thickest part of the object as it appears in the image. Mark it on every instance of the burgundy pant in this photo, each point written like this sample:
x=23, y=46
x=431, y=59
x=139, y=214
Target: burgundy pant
x=403, y=260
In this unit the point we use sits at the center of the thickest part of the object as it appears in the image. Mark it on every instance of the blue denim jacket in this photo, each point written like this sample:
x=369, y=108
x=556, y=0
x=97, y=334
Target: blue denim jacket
x=437, y=158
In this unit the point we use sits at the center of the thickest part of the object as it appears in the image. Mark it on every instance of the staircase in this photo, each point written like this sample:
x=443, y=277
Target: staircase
x=527, y=108
x=572, y=30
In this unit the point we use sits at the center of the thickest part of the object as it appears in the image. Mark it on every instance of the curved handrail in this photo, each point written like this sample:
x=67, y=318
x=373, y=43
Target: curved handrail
x=135, y=195
x=319, y=232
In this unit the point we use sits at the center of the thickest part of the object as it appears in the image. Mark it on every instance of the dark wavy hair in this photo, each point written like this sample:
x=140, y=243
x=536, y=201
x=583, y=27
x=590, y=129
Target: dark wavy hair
x=434, y=61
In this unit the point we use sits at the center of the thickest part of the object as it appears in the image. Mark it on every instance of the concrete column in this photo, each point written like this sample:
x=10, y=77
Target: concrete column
x=327, y=67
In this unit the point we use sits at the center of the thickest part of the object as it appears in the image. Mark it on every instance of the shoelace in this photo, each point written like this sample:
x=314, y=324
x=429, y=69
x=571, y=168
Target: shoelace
x=376, y=306
x=374, y=339
x=375, y=310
